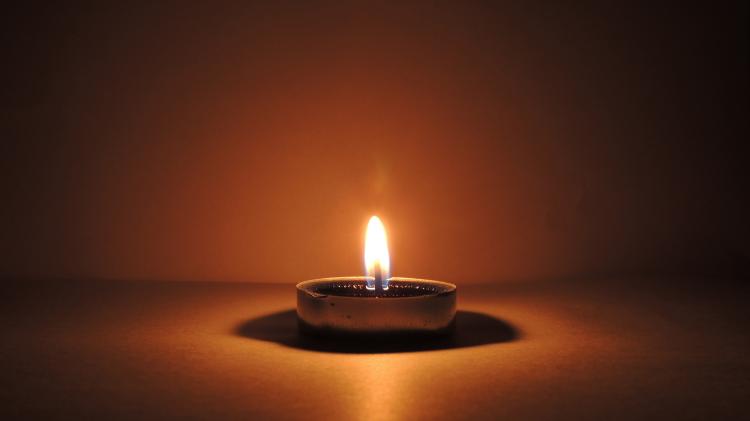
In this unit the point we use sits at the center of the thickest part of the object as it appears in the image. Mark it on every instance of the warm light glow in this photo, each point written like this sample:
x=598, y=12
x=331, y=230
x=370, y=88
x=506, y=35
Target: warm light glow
x=377, y=260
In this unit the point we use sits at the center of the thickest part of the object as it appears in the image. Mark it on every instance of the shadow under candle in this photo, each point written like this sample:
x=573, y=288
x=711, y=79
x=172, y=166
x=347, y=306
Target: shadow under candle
x=472, y=329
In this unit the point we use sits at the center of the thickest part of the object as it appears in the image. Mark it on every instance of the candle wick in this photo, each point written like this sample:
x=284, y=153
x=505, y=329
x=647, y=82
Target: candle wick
x=378, y=277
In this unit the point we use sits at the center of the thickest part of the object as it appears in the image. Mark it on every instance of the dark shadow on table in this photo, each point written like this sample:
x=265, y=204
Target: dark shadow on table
x=472, y=329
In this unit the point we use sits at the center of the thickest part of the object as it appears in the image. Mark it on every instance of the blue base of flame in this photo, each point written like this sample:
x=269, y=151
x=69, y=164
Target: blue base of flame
x=372, y=283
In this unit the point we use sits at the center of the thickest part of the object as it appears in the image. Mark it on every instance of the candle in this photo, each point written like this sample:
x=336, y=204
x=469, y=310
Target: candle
x=375, y=303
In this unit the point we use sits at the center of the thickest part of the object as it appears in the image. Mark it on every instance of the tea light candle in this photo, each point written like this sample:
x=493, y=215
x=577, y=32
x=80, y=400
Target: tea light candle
x=376, y=303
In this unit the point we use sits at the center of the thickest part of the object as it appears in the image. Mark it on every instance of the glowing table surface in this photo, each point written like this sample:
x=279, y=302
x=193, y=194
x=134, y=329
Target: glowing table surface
x=614, y=349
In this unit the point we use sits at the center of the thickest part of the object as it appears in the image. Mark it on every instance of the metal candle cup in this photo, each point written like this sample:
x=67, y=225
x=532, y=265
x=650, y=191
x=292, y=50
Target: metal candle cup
x=344, y=306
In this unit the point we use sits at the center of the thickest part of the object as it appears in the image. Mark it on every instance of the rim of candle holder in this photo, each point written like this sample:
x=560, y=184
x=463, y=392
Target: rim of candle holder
x=354, y=287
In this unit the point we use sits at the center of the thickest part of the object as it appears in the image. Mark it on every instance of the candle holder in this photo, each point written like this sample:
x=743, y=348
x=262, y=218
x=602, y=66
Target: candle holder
x=345, y=306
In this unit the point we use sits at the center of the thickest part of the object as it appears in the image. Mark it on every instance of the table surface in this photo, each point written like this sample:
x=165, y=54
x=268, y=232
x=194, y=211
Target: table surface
x=585, y=350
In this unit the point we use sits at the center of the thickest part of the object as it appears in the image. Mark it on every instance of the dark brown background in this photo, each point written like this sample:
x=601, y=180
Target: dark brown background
x=252, y=142
x=571, y=148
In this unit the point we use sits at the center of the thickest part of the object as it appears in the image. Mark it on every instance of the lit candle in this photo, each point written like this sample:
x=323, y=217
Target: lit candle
x=377, y=259
x=376, y=303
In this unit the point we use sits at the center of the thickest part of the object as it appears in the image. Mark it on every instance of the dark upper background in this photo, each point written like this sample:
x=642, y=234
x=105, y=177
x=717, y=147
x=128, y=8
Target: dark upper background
x=252, y=142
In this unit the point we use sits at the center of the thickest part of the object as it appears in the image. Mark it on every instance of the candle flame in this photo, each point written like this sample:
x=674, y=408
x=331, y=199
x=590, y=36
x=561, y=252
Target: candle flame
x=377, y=260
